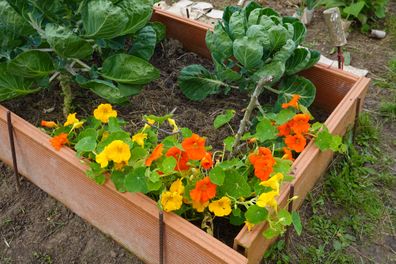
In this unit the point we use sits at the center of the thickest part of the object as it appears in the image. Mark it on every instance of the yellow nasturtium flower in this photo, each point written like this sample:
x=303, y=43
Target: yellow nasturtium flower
x=199, y=207
x=249, y=225
x=139, y=138
x=172, y=122
x=171, y=201
x=103, y=112
x=72, y=120
x=221, y=207
x=273, y=182
x=150, y=122
x=268, y=199
x=117, y=151
x=177, y=186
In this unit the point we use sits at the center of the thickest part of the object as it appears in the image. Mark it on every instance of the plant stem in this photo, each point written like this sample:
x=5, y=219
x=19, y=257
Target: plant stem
x=82, y=64
x=67, y=93
x=246, y=118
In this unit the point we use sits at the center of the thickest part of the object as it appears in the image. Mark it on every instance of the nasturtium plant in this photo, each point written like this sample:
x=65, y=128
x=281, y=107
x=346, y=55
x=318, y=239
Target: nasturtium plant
x=251, y=44
x=185, y=175
x=102, y=45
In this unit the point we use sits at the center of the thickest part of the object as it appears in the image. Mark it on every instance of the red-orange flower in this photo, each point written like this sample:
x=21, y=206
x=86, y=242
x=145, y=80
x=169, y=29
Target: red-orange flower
x=300, y=123
x=206, y=161
x=288, y=154
x=296, y=142
x=263, y=163
x=203, y=191
x=49, y=124
x=284, y=130
x=195, y=147
x=58, y=141
x=156, y=154
x=293, y=102
x=180, y=156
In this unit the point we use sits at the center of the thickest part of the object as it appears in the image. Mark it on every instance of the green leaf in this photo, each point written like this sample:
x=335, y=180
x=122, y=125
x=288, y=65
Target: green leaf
x=256, y=214
x=12, y=22
x=271, y=233
x=105, y=20
x=119, y=135
x=283, y=116
x=219, y=42
x=31, y=64
x=186, y=132
x=144, y=43
x=326, y=141
x=129, y=69
x=217, y=175
x=259, y=34
x=234, y=185
x=12, y=86
x=197, y=83
x=168, y=165
x=237, y=25
x=274, y=70
x=298, y=61
x=110, y=92
x=277, y=37
x=86, y=144
x=282, y=166
x=223, y=119
x=297, y=222
x=285, y=217
x=66, y=44
x=118, y=178
x=354, y=9
x=300, y=32
x=285, y=52
x=266, y=131
x=88, y=132
x=248, y=52
x=296, y=85
x=160, y=30
x=223, y=72
x=135, y=180
x=228, y=143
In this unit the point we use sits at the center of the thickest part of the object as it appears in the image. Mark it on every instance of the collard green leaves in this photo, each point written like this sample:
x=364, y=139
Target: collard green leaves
x=296, y=85
x=32, y=64
x=12, y=86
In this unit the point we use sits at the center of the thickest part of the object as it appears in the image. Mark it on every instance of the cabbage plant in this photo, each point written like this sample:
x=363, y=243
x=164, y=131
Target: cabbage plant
x=249, y=45
x=103, y=45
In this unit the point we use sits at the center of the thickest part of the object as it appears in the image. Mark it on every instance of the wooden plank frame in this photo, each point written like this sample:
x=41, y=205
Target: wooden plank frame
x=132, y=219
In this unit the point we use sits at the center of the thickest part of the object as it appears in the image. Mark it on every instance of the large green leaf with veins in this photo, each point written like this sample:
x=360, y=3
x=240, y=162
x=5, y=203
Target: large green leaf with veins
x=248, y=52
x=129, y=69
x=12, y=86
x=31, y=64
x=296, y=85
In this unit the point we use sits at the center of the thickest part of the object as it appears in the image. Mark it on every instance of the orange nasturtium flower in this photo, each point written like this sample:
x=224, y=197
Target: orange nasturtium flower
x=203, y=191
x=58, y=141
x=156, y=154
x=284, y=130
x=206, y=161
x=180, y=156
x=221, y=207
x=300, y=123
x=288, y=154
x=293, y=102
x=263, y=163
x=296, y=142
x=48, y=124
x=195, y=147
x=103, y=112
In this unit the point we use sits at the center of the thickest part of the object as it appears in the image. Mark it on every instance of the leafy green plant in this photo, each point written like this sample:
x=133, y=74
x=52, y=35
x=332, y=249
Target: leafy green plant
x=364, y=11
x=103, y=45
x=252, y=44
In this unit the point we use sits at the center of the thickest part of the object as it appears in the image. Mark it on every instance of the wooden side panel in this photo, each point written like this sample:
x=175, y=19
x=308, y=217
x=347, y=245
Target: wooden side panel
x=308, y=168
x=130, y=219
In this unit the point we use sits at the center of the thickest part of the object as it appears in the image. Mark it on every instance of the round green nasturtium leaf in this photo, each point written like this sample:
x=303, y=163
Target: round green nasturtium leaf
x=256, y=214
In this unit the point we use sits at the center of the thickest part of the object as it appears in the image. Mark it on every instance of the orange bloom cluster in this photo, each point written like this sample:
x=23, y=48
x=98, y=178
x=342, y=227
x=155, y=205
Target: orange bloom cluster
x=293, y=102
x=195, y=147
x=203, y=191
x=294, y=131
x=156, y=154
x=48, y=124
x=206, y=161
x=58, y=141
x=181, y=158
x=263, y=163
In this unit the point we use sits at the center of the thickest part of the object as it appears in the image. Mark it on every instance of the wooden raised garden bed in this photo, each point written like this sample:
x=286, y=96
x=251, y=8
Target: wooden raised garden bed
x=132, y=219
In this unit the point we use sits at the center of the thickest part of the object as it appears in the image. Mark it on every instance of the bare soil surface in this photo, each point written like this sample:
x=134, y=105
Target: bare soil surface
x=35, y=228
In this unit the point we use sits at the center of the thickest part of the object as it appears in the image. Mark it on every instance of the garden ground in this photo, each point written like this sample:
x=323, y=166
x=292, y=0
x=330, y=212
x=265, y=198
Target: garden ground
x=349, y=217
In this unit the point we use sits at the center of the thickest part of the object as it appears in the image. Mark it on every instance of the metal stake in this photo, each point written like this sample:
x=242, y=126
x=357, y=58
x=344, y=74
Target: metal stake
x=340, y=57
x=13, y=153
x=161, y=237
x=357, y=115
x=289, y=208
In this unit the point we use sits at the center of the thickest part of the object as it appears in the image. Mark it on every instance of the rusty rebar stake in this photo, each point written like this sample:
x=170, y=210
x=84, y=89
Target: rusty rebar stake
x=289, y=208
x=161, y=237
x=13, y=152
x=340, y=57
x=357, y=115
